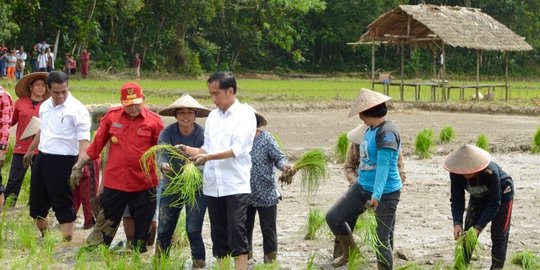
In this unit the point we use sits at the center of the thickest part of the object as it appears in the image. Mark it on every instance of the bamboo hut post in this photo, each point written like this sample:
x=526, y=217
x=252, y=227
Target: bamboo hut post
x=402, y=60
x=443, y=71
x=434, y=62
x=373, y=65
x=506, y=86
x=477, y=75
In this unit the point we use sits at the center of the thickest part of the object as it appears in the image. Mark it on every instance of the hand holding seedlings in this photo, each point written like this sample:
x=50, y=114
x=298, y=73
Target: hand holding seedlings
x=288, y=167
x=182, y=149
x=458, y=231
x=165, y=168
x=373, y=203
x=200, y=159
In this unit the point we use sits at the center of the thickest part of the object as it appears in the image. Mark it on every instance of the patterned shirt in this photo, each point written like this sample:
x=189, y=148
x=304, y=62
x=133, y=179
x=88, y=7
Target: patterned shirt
x=265, y=154
x=6, y=111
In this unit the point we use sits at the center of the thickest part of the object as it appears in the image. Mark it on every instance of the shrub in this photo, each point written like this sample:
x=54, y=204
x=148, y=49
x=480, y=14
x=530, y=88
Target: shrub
x=447, y=134
x=424, y=143
x=483, y=142
x=536, y=142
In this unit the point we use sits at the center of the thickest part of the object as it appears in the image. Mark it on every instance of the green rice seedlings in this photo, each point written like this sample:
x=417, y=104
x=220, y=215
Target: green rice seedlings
x=313, y=166
x=267, y=266
x=483, y=142
x=447, y=134
x=25, y=236
x=526, y=259
x=410, y=266
x=226, y=263
x=315, y=222
x=311, y=262
x=184, y=184
x=278, y=140
x=356, y=260
x=341, y=148
x=535, y=148
x=424, y=143
x=366, y=228
x=466, y=245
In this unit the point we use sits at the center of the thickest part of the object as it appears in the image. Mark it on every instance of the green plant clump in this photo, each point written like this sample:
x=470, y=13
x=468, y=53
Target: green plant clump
x=315, y=222
x=535, y=148
x=366, y=228
x=424, y=143
x=313, y=166
x=526, y=259
x=342, y=146
x=466, y=245
x=483, y=142
x=447, y=134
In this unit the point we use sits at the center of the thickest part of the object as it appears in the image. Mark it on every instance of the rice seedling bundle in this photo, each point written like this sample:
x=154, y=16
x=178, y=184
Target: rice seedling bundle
x=315, y=222
x=342, y=146
x=184, y=184
x=311, y=262
x=526, y=259
x=483, y=142
x=366, y=228
x=536, y=142
x=424, y=143
x=447, y=134
x=356, y=260
x=313, y=167
x=466, y=245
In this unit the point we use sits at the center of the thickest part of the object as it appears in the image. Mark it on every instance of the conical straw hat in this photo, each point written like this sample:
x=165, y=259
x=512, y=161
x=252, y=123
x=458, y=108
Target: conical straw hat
x=33, y=127
x=22, y=88
x=260, y=120
x=467, y=159
x=356, y=135
x=367, y=99
x=185, y=101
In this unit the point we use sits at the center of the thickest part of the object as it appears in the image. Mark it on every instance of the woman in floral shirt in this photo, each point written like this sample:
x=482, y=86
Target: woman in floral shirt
x=264, y=198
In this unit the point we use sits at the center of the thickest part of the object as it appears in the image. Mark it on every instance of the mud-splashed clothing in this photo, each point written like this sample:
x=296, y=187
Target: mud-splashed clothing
x=491, y=199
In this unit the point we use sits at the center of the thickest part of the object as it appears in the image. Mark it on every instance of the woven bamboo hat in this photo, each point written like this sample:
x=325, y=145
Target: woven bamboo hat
x=356, y=135
x=261, y=121
x=467, y=159
x=367, y=99
x=33, y=127
x=22, y=88
x=185, y=101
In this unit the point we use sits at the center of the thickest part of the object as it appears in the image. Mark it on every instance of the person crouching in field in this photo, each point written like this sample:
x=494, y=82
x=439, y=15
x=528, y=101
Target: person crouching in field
x=491, y=196
x=264, y=196
x=131, y=130
x=378, y=183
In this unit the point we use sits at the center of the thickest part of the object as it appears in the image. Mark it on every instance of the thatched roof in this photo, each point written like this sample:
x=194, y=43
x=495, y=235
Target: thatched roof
x=455, y=26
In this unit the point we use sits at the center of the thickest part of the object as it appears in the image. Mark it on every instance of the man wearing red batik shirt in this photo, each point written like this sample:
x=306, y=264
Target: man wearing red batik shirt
x=131, y=130
x=6, y=111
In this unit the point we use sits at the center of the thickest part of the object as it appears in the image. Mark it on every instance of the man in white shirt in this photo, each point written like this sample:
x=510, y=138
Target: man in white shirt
x=64, y=134
x=228, y=138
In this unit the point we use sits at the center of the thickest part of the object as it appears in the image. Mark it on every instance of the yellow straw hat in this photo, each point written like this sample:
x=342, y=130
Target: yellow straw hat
x=185, y=101
x=22, y=88
x=367, y=99
x=467, y=159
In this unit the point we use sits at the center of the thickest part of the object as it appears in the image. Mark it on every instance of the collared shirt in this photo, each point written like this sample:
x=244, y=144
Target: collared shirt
x=128, y=139
x=63, y=126
x=233, y=130
x=265, y=155
x=6, y=111
x=25, y=108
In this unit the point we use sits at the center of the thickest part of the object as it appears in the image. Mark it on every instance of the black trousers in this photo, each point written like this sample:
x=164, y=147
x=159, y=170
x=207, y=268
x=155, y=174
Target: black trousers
x=228, y=225
x=267, y=220
x=16, y=177
x=500, y=228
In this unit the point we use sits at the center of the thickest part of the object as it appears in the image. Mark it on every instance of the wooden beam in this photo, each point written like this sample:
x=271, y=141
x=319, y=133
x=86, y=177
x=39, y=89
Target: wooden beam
x=477, y=74
x=506, y=86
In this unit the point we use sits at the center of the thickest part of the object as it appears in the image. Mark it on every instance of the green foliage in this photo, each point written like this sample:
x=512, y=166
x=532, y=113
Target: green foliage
x=313, y=167
x=535, y=148
x=483, y=142
x=366, y=228
x=410, y=266
x=311, y=262
x=341, y=148
x=447, y=134
x=466, y=245
x=267, y=266
x=227, y=263
x=527, y=259
x=315, y=223
x=356, y=260
x=424, y=143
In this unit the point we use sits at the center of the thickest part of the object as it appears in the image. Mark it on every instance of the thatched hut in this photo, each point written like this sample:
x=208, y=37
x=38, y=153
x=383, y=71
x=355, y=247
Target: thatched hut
x=437, y=26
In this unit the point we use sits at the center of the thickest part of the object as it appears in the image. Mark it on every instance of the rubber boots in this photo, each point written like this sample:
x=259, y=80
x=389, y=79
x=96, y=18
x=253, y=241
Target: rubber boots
x=347, y=244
